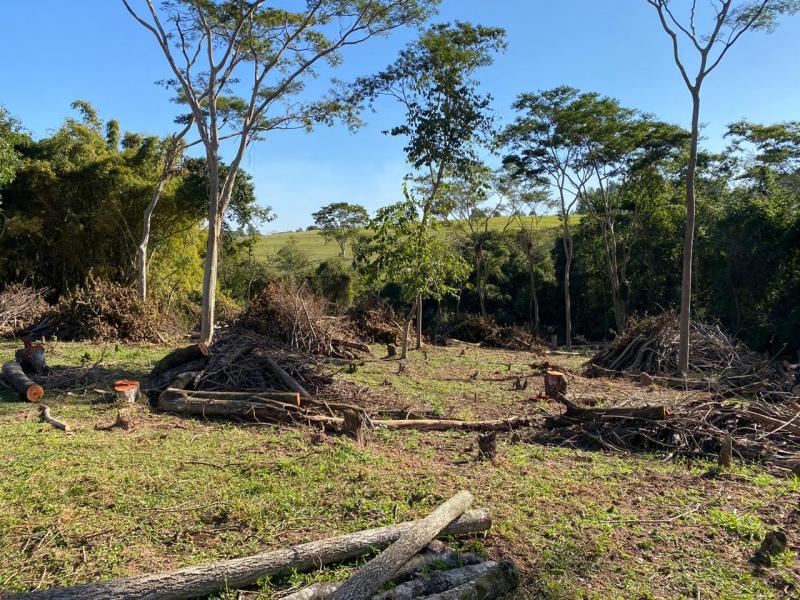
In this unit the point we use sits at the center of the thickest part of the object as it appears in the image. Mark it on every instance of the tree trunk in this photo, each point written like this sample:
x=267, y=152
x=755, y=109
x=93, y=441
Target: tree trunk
x=372, y=576
x=533, y=307
x=141, y=250
x=419, y=321
x=202, y=580
x=286, y=379
x=688, y=242
x=27, y=389
x=407, y=331
x=495, y=583
x=179, y=357
x=567, y=301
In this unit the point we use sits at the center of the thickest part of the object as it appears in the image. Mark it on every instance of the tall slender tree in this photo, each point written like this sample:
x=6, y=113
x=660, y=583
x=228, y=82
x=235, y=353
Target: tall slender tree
x=239, y=65
x=729, y=21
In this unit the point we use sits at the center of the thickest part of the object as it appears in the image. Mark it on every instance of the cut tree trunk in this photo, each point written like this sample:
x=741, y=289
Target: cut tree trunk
x=555, y=385
x=286, y=379
x=127, y=391
x=495, y=583
x=356, y=427
x=438, y=581
x=180, y=357
x=27, y=389
x=202, y=580
x=32, y=358
x=44, y=415
x=372, y=576
x=163, y=381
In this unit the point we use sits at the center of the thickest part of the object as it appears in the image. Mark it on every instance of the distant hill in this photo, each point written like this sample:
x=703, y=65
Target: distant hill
x=318, y=250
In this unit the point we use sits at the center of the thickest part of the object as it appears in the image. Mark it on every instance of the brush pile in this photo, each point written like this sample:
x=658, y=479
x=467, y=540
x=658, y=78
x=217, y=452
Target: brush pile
x=486, y=332
x=101, y=310
x=375, y=321
x=759, y=431
x=297, y=319
x=717, y=361
x=20, y=307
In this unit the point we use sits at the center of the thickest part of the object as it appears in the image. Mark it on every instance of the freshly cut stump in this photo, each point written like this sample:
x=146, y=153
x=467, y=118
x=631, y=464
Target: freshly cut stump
x=555, y=385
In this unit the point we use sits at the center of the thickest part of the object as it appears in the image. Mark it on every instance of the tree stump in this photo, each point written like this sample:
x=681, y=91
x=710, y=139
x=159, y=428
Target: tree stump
x=555, y=385
x=391, y=350
x=726, y=451
x=646, y=379
x=127, y=391
x=487, y=445
x=355, y=426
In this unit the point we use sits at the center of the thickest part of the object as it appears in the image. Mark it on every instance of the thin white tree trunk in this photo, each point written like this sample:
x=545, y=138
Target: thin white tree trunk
x=141, y=250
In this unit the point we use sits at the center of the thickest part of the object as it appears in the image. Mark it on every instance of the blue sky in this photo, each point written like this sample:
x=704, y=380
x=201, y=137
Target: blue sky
x=56, y=51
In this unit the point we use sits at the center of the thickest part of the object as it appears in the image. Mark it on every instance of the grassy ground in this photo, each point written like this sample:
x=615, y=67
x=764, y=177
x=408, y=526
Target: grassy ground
x=312, y=243
x=172, y=492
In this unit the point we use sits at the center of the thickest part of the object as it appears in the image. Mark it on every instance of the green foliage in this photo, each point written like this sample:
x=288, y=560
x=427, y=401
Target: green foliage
x=292, y=262
x=341, y=222
x=335, y=280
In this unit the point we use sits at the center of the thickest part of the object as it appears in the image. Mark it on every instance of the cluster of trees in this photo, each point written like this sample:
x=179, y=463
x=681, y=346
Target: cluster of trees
x=632, y=193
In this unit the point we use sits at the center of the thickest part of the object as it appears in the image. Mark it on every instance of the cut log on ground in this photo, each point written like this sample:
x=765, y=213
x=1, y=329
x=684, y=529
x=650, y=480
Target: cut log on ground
x=180, y=357
x=361, y=347
x=377, y=572
x=287, y=379
x=44, y=415
x=32, y=358
x=163, y=380
x=16, y=378
x=499, y=581
x=202, y=580
x=438, y=581
x=575, y=414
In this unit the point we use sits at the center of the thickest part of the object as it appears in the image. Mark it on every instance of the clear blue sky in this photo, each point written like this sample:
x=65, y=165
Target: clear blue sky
x=56, y=51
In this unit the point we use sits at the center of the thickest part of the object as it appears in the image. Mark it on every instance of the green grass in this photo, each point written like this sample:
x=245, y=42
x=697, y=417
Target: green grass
x=173, y=492
x=312, y=243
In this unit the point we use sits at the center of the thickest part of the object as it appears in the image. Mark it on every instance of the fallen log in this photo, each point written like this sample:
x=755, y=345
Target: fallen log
x=575, y=414
x=27, y=389
x=497, y=582
x=438, y=581
x=284, y=397
x=315, y=591
x=164, y=379
x=286, y=379
x=377, y=572
x=361, y=347
x=32, y=358
x=202, y=580
x=447, y=424
x=180, y=357
x=44, y=415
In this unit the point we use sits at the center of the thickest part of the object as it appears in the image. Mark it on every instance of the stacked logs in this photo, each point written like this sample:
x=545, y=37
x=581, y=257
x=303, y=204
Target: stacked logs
x=411, y=553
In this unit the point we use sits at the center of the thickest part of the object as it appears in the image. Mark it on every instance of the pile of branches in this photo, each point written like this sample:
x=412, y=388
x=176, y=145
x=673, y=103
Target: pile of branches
x=486, y=332
x=102, y=310
x=298, y=320
x=758, y=431
x=718, y=361
x=20, y=307
x=375, y=321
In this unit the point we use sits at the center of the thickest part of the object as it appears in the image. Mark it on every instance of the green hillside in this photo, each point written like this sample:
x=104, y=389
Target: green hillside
x=318, y=250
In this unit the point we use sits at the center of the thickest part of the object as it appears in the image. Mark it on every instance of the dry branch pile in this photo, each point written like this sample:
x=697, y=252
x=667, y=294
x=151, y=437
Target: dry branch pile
x=105, y=311
x=718, y=362
x=21, y=307
x=297, y=319
x=760, y=431
x=486, y=332
x=375, y=321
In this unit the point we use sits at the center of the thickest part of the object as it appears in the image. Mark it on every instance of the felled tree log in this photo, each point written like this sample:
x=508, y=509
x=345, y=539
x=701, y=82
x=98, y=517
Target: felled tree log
x=180, y=357
x=284, y=397
x=27, y=389
x=176, y=401
x=372, y=576
x=32, y=358
x=287, y=379
x=361, y=347
x=497, y=582
x=316, y=591
x=438, y=581
x=44, y=415
x=164, y=380
x=203, y=580
x=575, y=414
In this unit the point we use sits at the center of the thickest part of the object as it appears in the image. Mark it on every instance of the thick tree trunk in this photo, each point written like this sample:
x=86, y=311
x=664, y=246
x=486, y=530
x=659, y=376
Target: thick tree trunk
x=32, y=358
x=437, y=582
x=202, y=580
x=495, y=583
x=179, y=357
x=164, y=380
x=688, y=242
x=27, y=389
x=372, y=576
x=286, y=379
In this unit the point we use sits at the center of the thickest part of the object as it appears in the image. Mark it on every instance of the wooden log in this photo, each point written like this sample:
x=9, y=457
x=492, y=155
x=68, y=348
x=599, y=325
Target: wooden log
x=316, y=591
x=377, y=572
x=575, y=414
x=163, y=380
x=361, y=347
x=182, y=381
x=44, y=415
x=437, y=582
x=27, y=389
x=254, y=396
x=202, y=580
x=287, y=379
x=555, y=385
x=355, y=426
x=180, y=357
x=496, y=583
x=32, y=358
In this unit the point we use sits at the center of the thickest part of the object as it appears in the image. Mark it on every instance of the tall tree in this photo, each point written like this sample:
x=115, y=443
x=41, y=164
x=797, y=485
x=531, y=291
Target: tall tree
x=239, y=66
x=729, y=20
x=341, y=222
x=445, y=114
x=543, y=151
